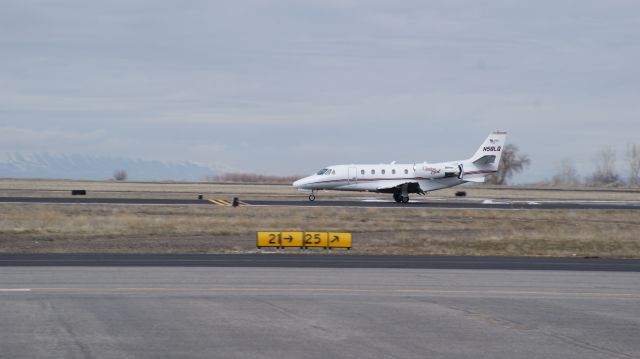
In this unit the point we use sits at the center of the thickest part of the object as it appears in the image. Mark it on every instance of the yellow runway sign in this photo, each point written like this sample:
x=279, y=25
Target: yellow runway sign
x=304, y=239
x=268, y=239
x=291, y=239
x=339, y=240
x=315, y=239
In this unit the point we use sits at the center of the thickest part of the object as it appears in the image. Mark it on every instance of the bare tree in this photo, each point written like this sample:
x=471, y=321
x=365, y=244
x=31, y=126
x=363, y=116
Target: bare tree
x=120, y=175
x=510, y=163
x=633, y=158
x=566, y=175
x=605, y=162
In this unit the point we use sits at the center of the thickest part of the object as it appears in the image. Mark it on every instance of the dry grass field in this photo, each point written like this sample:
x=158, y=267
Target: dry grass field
x=213, y=229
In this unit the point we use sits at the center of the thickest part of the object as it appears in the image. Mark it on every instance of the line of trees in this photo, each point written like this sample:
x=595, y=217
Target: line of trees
x=605, y=172
x=511, y=162
x=633, y=159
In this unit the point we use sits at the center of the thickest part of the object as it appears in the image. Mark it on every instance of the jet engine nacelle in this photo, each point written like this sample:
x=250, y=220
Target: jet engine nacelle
x=426, y=170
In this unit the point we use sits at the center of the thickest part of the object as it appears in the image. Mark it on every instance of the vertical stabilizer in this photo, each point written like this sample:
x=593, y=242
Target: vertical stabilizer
x=492, y=146
x=487, y=158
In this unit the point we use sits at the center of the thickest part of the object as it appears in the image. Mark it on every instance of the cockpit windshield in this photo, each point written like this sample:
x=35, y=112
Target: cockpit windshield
x=324, y=171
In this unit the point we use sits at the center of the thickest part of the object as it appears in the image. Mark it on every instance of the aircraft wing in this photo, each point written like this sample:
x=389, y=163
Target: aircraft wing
x=396, y=184
x=393, y=186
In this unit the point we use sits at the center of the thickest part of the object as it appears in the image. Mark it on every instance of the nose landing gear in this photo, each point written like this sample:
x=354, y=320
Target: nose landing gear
x=312, y=196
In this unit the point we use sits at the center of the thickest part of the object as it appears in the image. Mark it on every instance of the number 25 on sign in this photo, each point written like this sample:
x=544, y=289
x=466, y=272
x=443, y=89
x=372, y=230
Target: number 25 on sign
x=316, y=239
x=327, y=240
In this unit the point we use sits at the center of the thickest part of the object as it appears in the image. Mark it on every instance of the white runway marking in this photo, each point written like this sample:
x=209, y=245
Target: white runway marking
x=490, y=201
x=15, y=290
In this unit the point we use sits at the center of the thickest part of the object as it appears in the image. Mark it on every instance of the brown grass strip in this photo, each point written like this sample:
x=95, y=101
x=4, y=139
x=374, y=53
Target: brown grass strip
x=216, y=229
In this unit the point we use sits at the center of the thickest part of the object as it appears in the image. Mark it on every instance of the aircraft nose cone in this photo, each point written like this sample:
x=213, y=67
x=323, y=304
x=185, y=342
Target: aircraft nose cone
x=301, y=183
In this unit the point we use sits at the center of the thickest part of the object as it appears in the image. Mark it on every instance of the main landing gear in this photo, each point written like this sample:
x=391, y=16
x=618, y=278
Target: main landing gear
x=400, y=198
x=401, y=194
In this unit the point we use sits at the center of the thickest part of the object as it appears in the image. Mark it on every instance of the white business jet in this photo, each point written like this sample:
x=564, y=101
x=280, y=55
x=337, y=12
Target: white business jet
x=403, y=179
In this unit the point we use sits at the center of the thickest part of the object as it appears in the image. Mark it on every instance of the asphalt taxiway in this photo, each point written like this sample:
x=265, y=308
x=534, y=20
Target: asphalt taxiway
x=268, y=260
x=316, y=312
x=436, y=204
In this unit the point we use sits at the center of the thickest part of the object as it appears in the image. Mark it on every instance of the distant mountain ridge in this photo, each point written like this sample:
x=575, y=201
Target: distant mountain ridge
x=87, y=167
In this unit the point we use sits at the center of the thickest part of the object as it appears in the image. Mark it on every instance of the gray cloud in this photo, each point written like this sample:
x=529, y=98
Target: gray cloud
x=288, y=86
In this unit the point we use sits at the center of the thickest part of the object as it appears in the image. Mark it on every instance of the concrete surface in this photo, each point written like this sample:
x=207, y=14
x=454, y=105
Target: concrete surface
x=224, y=312
x=342, y=259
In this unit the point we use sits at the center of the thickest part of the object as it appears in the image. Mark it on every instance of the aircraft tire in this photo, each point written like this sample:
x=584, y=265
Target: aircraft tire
x=405, y=199
x=312, y=198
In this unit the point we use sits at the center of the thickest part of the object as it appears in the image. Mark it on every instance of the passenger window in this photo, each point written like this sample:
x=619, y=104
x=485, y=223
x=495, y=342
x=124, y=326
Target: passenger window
x=373, y=172
x=383, y=171
x=361, y=172
x=393, y=172
x=406, y=171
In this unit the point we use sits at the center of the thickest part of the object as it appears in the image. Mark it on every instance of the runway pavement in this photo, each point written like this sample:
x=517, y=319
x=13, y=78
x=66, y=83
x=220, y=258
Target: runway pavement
x=268, y=260
x=420, y=203
x=458, y=204
x=269, y=312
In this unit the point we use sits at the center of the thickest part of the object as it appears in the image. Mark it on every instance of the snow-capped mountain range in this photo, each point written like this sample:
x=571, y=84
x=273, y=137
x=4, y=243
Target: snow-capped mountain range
x=46, y=165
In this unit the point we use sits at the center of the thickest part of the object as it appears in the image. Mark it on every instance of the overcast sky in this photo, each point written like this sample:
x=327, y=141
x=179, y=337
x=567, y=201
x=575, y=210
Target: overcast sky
x=287, y=87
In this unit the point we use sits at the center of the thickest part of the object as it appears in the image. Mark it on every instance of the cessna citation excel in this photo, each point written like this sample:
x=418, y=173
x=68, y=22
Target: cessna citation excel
x=403, y=179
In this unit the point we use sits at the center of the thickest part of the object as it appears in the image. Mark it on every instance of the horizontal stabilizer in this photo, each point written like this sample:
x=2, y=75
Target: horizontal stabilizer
x=485, y=160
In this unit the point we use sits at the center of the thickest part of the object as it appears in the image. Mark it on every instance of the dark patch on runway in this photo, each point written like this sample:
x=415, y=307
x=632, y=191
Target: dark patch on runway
x=320, y=261
x=448, y=204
